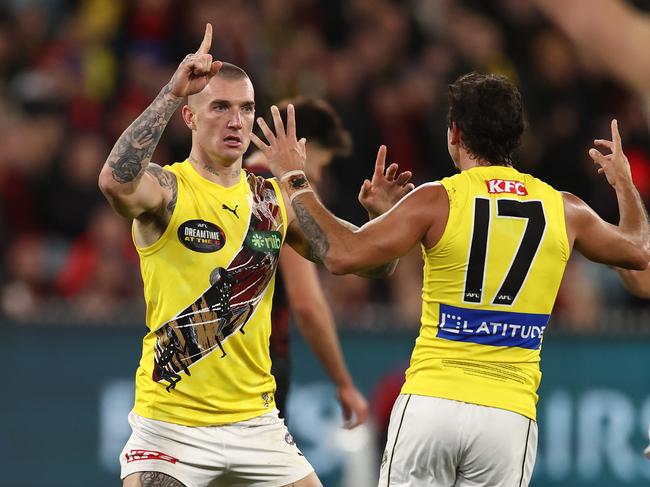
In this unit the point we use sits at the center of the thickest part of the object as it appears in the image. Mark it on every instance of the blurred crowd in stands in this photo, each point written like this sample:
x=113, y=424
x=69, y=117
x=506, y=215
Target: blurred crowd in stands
x=74, y=74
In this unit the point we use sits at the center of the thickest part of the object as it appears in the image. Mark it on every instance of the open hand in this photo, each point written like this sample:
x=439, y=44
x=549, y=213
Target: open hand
x=386, y=188
x=196, y=70
x=284, y=152
x=615, y=166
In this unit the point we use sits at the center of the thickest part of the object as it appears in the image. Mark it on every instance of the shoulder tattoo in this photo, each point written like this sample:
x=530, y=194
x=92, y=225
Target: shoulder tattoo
x=167, y=180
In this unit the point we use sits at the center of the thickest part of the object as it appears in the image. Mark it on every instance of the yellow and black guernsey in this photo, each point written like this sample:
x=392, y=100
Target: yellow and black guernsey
x=208, y=285
x=489, y=287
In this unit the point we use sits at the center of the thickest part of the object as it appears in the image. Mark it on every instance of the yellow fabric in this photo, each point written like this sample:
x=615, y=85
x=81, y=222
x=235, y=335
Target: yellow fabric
x=184, y=376
x=469, y=348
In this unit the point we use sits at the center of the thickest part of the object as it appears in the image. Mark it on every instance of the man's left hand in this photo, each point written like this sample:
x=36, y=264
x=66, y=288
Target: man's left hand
x=284, y=152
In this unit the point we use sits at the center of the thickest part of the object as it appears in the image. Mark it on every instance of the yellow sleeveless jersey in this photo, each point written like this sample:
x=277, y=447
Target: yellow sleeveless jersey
x=208, y=286
x=489, y=287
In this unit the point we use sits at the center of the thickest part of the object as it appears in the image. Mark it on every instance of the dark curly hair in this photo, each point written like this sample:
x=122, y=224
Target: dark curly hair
x=487, y=110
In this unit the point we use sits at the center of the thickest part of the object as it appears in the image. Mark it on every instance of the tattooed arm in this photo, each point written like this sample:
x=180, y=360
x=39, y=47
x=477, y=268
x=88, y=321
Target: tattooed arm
x=134, y=187
x=316, y=249
x=131, y=184
x=371, y=250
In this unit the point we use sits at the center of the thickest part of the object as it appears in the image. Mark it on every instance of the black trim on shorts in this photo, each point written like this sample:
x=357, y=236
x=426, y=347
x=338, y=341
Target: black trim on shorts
x=523, y=462
x=392, y=453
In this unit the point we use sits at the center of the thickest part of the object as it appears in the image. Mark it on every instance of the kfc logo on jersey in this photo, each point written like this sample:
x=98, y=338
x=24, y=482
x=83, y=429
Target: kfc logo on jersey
x=498, y=186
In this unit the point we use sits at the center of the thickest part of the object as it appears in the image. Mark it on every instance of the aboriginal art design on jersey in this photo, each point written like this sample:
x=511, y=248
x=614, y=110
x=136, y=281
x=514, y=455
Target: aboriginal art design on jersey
x=234, y=293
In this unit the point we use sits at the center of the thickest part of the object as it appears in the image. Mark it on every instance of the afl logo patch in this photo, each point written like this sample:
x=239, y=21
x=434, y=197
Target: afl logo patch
x=201, y=236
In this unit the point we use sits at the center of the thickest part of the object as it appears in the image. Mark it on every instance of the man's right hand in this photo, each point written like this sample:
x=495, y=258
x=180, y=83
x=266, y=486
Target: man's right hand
x=195, y=71
x=615, y=166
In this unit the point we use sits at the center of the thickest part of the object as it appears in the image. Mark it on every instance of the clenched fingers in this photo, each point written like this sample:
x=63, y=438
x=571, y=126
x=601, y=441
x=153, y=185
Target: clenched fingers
x=403, y=178
x=598, y=157
x=200, y=64
x=604, y=143
x=391, y=172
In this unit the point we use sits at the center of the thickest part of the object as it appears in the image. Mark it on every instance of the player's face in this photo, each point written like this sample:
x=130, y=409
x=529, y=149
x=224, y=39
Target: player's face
x=224, y=118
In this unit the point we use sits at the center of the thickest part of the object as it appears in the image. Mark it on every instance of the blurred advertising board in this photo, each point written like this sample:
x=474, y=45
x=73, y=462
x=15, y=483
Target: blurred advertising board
x=68, y=390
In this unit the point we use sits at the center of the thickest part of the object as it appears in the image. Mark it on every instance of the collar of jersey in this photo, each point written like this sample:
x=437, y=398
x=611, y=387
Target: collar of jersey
x=491, y=168
x=195, y=176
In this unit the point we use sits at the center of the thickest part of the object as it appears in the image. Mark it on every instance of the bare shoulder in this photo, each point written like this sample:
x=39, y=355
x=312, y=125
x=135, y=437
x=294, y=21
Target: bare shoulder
x=434, y=212
x=431, y=193
x=571, y=200
x=574, y=208
x=430, y=199
x=579, y=217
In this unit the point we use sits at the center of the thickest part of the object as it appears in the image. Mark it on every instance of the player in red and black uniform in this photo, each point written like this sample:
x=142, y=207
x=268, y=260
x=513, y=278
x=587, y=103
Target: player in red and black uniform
x=304, y=296
x=302, y=293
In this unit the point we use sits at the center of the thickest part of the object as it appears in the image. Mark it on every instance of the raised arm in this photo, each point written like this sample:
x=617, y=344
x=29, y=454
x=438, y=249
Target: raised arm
x=316, y=324
x=624, y=245
x=611, y=31
x=418, y=217
x=131, y=184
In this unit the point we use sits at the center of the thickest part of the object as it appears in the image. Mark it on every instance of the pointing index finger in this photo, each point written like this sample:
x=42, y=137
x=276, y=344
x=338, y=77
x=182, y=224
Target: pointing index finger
x=616, y=136
x=204, y=48
x=380, y=162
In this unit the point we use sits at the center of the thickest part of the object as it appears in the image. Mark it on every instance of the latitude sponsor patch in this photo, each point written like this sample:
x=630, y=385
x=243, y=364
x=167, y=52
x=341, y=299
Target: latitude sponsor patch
x=201, y=236
x=496, y=328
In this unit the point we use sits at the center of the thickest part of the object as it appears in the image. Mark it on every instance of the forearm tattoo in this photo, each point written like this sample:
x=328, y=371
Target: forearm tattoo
x=134, y=148
x=157, y=479
x=166, y=180
x=319, y=245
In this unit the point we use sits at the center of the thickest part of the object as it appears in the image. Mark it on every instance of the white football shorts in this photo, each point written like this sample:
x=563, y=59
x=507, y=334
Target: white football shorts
x=444, y=443
x=255, y=452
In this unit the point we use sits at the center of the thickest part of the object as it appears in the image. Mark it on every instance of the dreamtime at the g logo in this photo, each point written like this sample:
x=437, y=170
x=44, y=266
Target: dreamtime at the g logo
x=496, y=328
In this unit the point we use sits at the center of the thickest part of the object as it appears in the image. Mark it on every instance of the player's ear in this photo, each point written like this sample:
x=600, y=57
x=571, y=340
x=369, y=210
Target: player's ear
x=454, y=134
x=189, y=117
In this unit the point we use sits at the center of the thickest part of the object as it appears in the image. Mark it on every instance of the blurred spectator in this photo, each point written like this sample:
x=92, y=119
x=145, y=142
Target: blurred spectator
x=26, y=286
x=67, y=194
x=68, y=88
x=101, y=267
